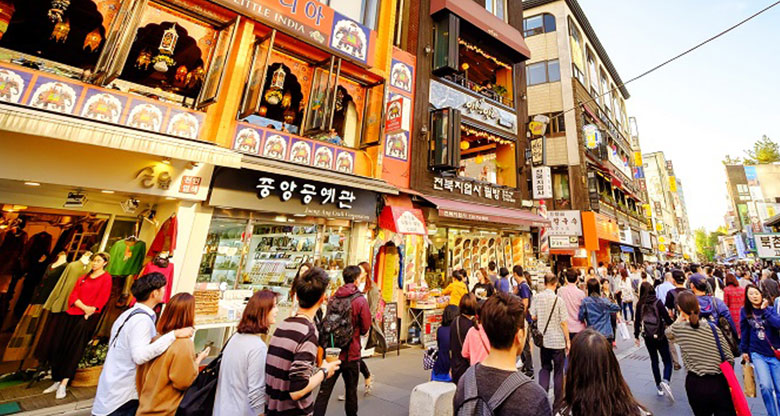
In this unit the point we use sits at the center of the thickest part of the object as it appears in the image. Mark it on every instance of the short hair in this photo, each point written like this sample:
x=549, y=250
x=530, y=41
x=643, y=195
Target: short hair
x=731, y=280
x=708, y=269
x=502, y=315
x=255, y=318
x=503, y=272
x=694, y=268
x=179, y=313
x=492, y=266
x=594, y=287
x=143, y=287
x=518, y=270
x=601, y=264
x=572, y=276
x=311, y=287
x=550, y=278
x=468, y=304
x=351, y=273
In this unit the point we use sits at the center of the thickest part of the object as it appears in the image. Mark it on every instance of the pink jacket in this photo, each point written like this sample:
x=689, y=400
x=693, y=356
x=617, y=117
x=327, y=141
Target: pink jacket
x=476, y=346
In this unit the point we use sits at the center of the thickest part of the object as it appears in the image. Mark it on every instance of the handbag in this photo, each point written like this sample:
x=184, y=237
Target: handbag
x=623, y=331
x=539, y=336
x=749, y=379
x=429, y=358
x=737, y=396
x=199, y=398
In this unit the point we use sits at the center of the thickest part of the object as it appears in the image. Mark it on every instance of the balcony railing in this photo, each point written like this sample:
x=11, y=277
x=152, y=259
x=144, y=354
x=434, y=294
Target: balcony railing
x=460, y=78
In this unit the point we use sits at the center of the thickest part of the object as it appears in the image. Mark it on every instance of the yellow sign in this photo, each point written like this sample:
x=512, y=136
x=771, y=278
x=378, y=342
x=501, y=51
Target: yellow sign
x=659, y=226
x=661, y=239
x=536, y=128
x=648, y=210
x=637, y=158
x=662, y=247
x=673, y=184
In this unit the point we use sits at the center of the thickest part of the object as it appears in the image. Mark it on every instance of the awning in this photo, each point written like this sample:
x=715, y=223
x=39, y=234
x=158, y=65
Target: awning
x=403, y=220
x=65, y=127
x=626, y=249
x=315, y=174
x=486, y=213
x=563, y=251
x=471, y=12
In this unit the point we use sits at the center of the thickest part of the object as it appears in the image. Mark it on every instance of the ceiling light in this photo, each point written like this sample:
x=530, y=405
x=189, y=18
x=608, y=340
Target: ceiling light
x=166, y=160
x=107, y=191
x=32, y=184
x=280, y=218
x=170, y=198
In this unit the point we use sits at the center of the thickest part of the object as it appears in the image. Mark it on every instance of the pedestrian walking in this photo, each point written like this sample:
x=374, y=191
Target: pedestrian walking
x=707, y=389
x=596, y=311
x=291, y=369
x=651, y=322
x=492, y=273
x=760, y=324
x=523, y=291
x=734, y=298
x=572, y=297
x=458, y=330
x=484, y=287
x=594, y=381
x=241, y=382
x=161, y=383
x=302, y=269
x=769, y=286
x=496, y=382
x=663, y=289
x=476, y=346
x=626, y=289
x=503, y=285
x=711, y=307
x=606, y=293
x=130, y=346
x=371, y=292
x=346, y=305
x=456, y=289
x=441, y=368
x=550, y=313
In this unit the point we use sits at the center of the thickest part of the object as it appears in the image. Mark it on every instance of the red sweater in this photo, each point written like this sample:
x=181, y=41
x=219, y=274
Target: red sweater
x=734, y=297
x=92, y=292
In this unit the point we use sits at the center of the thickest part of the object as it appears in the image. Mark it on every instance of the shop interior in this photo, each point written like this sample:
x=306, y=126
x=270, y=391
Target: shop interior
x=486, y=157
x=302, y=90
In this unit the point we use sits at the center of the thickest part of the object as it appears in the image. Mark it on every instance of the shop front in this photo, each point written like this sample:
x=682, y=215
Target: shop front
x=602, y=235
x=565, y=239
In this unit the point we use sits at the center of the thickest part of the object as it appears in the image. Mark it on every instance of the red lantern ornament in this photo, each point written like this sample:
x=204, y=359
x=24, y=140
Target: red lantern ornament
x=92, y=41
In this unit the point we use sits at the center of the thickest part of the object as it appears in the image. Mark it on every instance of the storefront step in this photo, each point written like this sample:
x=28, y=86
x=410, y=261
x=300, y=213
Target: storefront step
x=33, y=402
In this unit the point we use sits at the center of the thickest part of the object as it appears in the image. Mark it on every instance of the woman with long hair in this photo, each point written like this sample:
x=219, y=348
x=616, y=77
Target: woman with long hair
x=606, y=293
x=161, y=383
x=651, y=321
x=626, y=290
x=441, y=368
x=241, y=382
x=87, y=299
x=707, y=389
x=458, y=329
x=484, y=288
x=594, y=382
x=596, y=310
x=759, y=323
x=734, y=297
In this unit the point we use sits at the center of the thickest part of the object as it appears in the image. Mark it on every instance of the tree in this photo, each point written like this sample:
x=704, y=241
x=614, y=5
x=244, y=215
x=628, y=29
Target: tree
x=729, y=160
x=764, y=151
x=707, y=243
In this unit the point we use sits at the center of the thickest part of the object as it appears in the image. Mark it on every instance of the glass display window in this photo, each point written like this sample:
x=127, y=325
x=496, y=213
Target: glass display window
x=223, y=251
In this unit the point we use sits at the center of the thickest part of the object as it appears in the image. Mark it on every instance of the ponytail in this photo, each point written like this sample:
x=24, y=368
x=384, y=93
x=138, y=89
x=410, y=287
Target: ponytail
x=688, y=303
x=693, y=319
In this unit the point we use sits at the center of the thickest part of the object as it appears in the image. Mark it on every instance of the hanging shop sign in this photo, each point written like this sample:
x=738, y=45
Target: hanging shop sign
x=485, y=190
x=564, y=223
x=400, y=220
x=537, y=151
x=542, y=182
x=592, y=136
x=260, y=191
x=538, y=126
x=564, y=242
x=394, y=112
x=313, y=22
x=474, y=108
x=644, y=237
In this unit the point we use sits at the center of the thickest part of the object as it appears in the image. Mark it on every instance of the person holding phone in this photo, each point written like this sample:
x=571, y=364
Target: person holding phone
x=162, y=382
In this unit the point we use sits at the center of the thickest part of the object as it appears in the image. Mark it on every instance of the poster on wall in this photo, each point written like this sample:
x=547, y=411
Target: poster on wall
x=542, y=182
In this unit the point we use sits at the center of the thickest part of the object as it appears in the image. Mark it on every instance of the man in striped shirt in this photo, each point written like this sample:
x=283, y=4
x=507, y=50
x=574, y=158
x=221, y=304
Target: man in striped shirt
x=291, y=365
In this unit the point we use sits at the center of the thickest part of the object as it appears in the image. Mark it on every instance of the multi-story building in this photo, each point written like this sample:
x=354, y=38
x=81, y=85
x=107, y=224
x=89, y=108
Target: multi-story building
x=754, y=204
x=588, y=145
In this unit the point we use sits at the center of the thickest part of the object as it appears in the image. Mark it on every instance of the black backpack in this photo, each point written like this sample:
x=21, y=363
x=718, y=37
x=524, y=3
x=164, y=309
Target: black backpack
x=651, y=321
x=474, y=405
x=336, y=328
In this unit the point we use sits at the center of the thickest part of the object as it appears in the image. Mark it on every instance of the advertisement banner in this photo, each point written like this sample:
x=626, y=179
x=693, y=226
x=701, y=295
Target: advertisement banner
x=592, y=136
x=564, y=242
x=542, y=182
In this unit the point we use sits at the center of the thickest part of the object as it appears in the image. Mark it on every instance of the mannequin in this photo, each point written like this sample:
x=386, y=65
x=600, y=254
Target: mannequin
x=86, y=301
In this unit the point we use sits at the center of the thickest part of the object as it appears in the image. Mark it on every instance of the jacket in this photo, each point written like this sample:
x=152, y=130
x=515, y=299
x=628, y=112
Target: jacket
x=663, y=316
x=734, y=298
x=361, y=321
x=713, y=308
x=766, y=320
x=596, y=312
x=458, y=364
x=161, y=383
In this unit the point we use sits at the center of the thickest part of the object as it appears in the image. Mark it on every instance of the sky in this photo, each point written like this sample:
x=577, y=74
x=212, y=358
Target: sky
x=715, y=101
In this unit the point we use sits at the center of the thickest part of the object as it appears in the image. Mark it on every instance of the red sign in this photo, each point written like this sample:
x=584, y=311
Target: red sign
x=190, y=184
x=395, y=111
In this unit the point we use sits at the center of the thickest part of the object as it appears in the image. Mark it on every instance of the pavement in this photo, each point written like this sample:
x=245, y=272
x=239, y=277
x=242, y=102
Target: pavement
x=397, y=375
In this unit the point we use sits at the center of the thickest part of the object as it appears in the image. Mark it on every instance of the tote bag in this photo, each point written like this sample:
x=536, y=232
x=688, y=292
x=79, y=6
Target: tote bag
x=737, y=396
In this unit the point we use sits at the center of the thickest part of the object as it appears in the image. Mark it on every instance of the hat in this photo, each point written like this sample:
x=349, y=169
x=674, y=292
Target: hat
x=698, y=281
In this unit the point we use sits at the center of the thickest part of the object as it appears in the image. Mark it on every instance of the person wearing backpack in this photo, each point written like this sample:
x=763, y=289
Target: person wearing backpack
x=651, y=321
x=495, y=386
x=130, y=346
x=716, y=311
x=347, y=319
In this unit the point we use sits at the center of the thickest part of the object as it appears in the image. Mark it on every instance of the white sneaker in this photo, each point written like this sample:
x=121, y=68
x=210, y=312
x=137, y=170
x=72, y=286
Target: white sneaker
x=660, y=391
x=61, y=392
x=667, y=389
x=342, y=397
x=52, y=388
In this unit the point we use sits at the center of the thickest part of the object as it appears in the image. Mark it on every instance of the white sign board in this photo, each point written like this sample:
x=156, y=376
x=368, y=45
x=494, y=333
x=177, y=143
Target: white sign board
x=542, y=182
x=625, y=236
x=564, y=223
x=645, y=237
x=768, y=245
x=562, y=242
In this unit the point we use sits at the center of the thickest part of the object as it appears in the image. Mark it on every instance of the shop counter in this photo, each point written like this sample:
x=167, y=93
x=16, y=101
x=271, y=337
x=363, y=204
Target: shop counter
x=213, y=332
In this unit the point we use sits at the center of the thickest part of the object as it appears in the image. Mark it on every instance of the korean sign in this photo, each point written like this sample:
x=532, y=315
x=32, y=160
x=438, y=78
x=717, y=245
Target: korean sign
x=537, y=151
x=565, y=223
x=563, y=242
x=484, y=190
x=768, y=245
x=542, y=182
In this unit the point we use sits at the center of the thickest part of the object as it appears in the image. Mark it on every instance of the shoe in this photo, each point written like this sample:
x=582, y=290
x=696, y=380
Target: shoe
x=342, y=397
x=677, y=367
x=52, y=388
x=61, y=392
x=369, y=386
x=667, y=389
x=660, y=391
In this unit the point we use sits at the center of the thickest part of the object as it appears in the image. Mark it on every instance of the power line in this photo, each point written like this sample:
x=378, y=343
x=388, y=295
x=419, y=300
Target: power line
x=670, y=60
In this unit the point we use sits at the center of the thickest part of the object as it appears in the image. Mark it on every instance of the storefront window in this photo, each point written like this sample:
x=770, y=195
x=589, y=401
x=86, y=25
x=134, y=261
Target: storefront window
x=561, y=190
x=223, y=251
x=485, y=157
x=483, y=73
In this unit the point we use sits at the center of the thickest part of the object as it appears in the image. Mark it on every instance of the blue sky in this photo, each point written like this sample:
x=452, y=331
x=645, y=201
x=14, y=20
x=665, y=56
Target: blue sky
x=717, y=100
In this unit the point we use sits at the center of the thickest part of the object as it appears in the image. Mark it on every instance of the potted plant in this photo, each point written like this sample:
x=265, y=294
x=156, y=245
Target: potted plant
x=500, y=90
x=91, y=365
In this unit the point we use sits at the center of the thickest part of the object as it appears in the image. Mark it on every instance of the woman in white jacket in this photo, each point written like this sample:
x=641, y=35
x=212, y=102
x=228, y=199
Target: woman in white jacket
x=627, y=296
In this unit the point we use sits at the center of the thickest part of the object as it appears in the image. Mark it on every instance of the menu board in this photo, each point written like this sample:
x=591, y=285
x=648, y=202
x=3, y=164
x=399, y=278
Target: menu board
x=390, y=324
x=474, y=251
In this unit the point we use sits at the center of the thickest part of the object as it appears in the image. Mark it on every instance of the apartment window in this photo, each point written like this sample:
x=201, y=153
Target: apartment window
x=578, y=65
x=615, y=104
x=606, y=97
x=542, y=72
x=542, y=23
x=561, y=190
x=593, y=72
x=363, y=11
x=496, y=7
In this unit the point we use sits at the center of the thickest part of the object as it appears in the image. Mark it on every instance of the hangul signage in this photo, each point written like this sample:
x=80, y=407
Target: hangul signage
x=564, y=223
x=537, y=151
x=563, y=242
x=487, y=191
x=542, y=182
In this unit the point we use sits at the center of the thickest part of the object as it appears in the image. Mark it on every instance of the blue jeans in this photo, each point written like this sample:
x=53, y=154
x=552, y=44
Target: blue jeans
x=628, y=306
x=768, y=377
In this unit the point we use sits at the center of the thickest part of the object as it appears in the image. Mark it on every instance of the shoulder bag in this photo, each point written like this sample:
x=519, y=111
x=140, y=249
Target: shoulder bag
x=737, y=396
x=539, y=336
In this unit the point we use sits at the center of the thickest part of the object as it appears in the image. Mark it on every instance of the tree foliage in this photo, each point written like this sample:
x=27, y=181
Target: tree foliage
x=707, y=243
x=729, y=160
x=764, y=151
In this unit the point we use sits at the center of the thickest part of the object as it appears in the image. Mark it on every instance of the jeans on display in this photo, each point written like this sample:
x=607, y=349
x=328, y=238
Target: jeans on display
x=552, y=362
x=768, y=378
x=350, y=372
x=628, y=306
x=656, y=347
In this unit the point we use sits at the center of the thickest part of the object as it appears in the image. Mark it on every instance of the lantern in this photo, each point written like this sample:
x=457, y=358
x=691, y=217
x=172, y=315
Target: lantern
x=92, y=41
x=262, y=111
x=60, y=32
x=286, y=100
x=143, y=60
x=274, y=93
x=6, y=11
x=57, y=10
x=181, y=74
x=164, y=59
x=464, y=145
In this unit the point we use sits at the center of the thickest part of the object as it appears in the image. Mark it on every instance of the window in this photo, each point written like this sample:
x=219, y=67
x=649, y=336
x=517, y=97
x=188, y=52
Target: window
x=542, y=72
x=556, y=125
x=606, y=97
x=561, y=190
x=363, y=11
x=496, y=7
x=542, y=23
x=576, y=52
x=593, y=72
x=401, y=29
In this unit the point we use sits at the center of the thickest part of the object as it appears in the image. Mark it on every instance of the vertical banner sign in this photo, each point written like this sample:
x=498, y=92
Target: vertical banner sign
x=542, y=182
x=399, y=104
